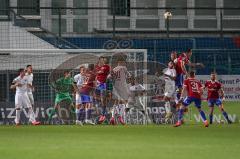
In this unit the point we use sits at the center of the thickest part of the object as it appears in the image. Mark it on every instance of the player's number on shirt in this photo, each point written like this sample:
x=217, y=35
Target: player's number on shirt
x=194, y=86
x=117, y=75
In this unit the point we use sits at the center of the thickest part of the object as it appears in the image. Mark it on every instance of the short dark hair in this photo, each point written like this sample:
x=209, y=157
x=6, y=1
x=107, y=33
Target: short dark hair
x=28, y=66
x=107, y=60
x=192, y=73
x=213, y=72
x=122, y=58
x=101, y=57
x=189, y=50
x=66, y=71
x=91, y=67
x=81, y=67
x=21, y=70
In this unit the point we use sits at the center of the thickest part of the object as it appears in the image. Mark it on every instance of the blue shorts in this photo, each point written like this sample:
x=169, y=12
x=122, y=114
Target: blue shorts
x=101, y=88
x=188, y=100
x=212, y=102
x=179, y=80
x=86, y=98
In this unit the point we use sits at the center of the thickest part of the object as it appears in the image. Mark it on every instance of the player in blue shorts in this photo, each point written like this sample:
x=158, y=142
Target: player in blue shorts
x=194, y=92
x=215, y=97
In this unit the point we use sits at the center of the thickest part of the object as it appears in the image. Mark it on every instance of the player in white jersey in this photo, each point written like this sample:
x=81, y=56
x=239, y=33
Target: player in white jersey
x=21, y=84
x=120, y=89
x=169, y=77
x=30, y=89
x=135, y=91
x=79, y=80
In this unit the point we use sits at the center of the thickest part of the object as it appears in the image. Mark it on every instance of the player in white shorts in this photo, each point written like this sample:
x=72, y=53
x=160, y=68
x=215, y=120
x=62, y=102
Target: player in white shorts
x=21, y=85
x=135, y=91
x=79, y=80
x=30, y=89
x=169, y=77
x=120, y=89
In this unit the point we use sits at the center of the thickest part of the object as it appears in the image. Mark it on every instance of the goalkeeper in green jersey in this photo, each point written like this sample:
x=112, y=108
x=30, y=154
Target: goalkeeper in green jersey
x=63, y=87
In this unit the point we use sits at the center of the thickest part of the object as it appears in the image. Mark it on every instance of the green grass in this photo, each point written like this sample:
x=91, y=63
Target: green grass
x=191, y=141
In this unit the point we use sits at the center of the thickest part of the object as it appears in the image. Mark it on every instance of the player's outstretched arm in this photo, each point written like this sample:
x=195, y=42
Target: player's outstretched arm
x=195, y=64
x=13, y=86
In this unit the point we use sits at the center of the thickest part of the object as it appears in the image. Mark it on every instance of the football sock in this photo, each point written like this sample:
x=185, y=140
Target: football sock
x=210, y=118
x=114, y=110
x=89, y=113
x=86, y=113
x=180, y=114
x=18, y=113
x=77, y=111
x=52, y=113
x=104, y=110
x=203, y=115
x=122, y=110
x=167, y=107
x=31, y=115
x=225, y=115
x=178, y=95
x=81, y=114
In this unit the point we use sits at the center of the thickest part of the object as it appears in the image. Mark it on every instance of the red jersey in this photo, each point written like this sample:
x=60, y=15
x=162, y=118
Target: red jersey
x=193, y=87
x=213, y=89
x=104, y=71
x=181, y=59
x=88, y=83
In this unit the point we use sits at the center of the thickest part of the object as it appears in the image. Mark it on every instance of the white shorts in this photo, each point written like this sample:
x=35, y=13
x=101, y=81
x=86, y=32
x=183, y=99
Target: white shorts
x=30, y=96
x=120, y=92
x=137, y=105
x=78, y=99
x=169, y=89
x=22, y=100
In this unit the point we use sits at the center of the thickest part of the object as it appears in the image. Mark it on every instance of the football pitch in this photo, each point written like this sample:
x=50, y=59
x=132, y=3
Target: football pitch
x=191, y=141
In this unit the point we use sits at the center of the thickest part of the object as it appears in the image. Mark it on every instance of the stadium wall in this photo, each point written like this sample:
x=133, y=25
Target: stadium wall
x=14, y=37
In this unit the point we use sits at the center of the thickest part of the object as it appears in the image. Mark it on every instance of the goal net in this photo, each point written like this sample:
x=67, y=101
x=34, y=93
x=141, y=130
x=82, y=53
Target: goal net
x=49, y=65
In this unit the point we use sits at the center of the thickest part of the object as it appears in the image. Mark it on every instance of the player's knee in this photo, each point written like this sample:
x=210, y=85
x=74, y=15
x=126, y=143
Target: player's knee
x=221, y=109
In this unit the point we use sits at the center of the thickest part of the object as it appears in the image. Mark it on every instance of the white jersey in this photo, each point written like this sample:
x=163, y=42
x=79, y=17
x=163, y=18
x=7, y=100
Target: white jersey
x=120, y=74
x=30, y=81
x=169, y=83
x=79, y=79
x=134, y=92
x=23, y=81
x=120, y=88
x=169, y=72
x=159, y=85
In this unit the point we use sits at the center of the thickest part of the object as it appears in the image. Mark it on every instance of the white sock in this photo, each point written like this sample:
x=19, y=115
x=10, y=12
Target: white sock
x=122, y=110
x=31, y=115
x=86, y=113
x=17, y=118
x=167, y=107
x=114, y=110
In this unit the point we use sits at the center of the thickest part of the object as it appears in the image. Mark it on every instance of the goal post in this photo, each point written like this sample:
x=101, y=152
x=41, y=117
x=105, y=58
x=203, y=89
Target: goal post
x=49, y=64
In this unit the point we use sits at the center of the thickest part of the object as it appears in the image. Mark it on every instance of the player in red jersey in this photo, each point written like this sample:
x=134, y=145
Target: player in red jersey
x=215, y=96
x=180, y=62
x=194, y=90
x=86, y=92
x=102, y=73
